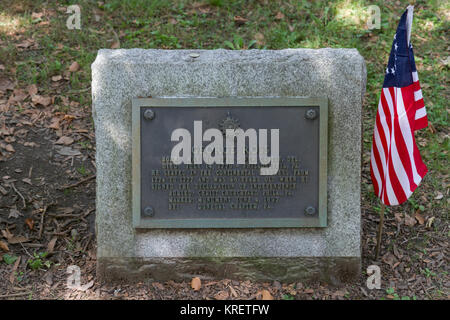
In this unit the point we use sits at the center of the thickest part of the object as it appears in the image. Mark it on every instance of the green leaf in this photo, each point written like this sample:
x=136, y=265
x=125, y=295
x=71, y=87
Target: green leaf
x=35, y=264
x=251, y=44
x=9, y=259
x=390, y=291
x=229, y=44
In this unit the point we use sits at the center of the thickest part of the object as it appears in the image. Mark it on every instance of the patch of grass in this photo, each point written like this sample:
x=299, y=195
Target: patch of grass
x=38, y=261
x=82, y=170
x=428, y=273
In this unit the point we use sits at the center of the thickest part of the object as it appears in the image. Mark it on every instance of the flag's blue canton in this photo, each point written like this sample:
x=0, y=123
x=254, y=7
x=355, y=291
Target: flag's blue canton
x=401, y=60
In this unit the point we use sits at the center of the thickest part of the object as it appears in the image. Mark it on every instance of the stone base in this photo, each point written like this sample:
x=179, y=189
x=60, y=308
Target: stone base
x=332, y=270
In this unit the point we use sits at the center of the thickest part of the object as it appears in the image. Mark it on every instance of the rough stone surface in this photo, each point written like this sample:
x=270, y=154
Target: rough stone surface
x=306, y=269
x=120, y=75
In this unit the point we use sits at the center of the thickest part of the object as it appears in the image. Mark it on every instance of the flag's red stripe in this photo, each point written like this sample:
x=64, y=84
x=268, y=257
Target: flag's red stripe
x=399, y=138
x=387, y=150
x=376, y=155
x=396, y=186
x=421, y=123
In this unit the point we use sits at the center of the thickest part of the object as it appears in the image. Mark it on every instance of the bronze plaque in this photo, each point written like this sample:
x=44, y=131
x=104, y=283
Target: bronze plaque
x=224, y=194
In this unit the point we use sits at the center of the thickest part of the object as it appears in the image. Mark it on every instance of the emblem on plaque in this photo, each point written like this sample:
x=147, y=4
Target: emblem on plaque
x=229, y=123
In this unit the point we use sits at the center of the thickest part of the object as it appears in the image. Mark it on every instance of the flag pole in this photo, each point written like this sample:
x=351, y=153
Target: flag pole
x=380, y=230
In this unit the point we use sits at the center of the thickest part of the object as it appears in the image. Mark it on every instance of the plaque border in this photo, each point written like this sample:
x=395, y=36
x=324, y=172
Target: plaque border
x=211, y=102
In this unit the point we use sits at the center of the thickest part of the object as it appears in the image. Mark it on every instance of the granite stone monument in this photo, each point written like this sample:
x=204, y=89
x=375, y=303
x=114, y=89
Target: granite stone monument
x=156, y=219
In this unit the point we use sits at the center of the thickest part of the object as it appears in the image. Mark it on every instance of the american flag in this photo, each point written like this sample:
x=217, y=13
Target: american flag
x=395, y=164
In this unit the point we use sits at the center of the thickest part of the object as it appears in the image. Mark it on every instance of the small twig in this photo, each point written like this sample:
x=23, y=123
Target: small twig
x=15, y=294
x=80, y=90
x=17, y=191
x=78, y=183
x=26, y=250
x=33, y=245
x=88, y=212
x=41, y=227
x=87, y=242
x=380, y=231
x=426, y=291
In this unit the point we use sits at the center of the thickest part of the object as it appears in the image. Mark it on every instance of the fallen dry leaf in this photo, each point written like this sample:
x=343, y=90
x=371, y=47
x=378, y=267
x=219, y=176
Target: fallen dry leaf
x=51, y=245
x=429, y=222
x=419, y=218
x=7, y=234
x=56, y=78
x=439, y=196
x=196, y=283
x=18, y=95
x=74, y=67
x=409, y=221
x=68, y=151
x=42, y=100
x=389, y=259
x=14, y=213
x=12, y=276
x=266, y=295
x=158, y=285
x=86, y=286
x=279, y=16
x=398, y=217
x=32, y=89
x=18, y=239
x=37, y=15
x=25, y=44
x=54, y=124
x=3, y=191
x=339, y=293
x=173, y=21
x=239, y=20
x=115, y=45
x=233, y=292
x=9, y=148
x=4, y=246
x=30, y=223
x=259, y=37
x=6, y=84
x=65, y=140
x=221, y=295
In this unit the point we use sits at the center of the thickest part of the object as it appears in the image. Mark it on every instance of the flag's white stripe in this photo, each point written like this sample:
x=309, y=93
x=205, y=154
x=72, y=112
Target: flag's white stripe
x=387, y=133
x=376, y=172
x=389, y=191
x=383, y=153
x=418, y=95
x=405, y=128
x=415, y=76
x=397, y=163
x=420, y=113
x=380, y=148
